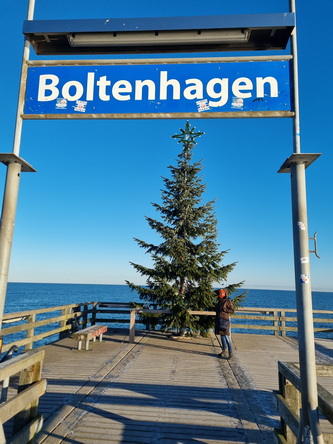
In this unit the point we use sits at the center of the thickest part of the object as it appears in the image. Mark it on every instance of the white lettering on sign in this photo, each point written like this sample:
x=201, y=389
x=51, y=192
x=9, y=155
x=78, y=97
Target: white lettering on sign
x=222, y=93
x=44, y=86
x=216, y=89
x=102, y=83
x=273, y=84
x=151, y=87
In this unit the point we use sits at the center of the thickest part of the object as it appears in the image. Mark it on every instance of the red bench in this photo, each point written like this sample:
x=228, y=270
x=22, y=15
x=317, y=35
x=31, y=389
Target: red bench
x=93, y=332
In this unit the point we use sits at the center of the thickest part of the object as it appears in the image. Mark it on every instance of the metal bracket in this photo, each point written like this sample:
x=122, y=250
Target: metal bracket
x=314, y=238
x=298, y=158
x=7, y=158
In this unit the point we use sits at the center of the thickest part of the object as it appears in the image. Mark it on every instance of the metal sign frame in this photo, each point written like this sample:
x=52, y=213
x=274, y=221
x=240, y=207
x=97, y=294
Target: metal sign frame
x=212, y=63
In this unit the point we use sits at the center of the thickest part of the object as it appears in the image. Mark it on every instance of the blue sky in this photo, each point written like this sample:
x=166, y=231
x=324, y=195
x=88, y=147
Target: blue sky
x=76, y=217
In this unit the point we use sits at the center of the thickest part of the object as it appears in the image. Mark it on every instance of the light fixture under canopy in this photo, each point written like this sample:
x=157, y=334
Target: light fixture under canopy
x=160, y=34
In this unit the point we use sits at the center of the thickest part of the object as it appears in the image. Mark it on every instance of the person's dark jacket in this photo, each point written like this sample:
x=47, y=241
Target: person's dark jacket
x=224, y=309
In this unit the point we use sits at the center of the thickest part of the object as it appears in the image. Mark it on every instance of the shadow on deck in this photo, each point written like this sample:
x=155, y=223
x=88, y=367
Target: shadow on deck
x=161, y=390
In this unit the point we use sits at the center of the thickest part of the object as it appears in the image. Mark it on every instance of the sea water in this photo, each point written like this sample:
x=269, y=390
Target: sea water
x=29, y=296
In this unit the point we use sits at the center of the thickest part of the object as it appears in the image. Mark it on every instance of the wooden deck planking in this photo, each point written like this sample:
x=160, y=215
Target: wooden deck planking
x=162, y=390
x=180, y=398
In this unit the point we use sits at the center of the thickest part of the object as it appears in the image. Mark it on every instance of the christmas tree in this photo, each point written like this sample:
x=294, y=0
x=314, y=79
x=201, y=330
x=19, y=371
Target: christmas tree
x=187, y=264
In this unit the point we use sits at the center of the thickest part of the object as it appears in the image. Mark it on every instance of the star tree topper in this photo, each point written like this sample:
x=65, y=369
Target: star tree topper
x=187, y=135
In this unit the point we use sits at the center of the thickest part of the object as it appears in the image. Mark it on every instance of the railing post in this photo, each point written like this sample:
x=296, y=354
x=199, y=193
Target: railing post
x=4, y=391
x=283, y=323
x=27, y=377
x=282, y=384
x=30, y=331
x=276, y=322
x=292, y=398
x=93, y=316
x=63, y=323
x=132, y=326
x=85, y=316
x=2, y=434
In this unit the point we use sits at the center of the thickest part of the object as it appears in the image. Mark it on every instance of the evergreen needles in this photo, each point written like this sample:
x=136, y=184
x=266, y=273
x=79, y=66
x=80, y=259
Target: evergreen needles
x=188, y=262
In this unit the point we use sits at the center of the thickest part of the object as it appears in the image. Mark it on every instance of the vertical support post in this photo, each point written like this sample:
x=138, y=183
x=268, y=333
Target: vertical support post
x=307, y=354
x=283, y=323
x=85, y=316
x=12, y=181
x=309, y=414
x=63, y=322
x=31, y=331
x=293, y=400
x=276, y=322
x=64, y=312
x=2, y=435
x=4, y=391
x=28, y=377
x=20, y=105
x=94, y=312
x=132, y=326
x=7, y=227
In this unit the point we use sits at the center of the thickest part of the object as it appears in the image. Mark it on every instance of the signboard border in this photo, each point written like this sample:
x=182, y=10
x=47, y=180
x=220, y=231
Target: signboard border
x=143, y=116
x=166, y=61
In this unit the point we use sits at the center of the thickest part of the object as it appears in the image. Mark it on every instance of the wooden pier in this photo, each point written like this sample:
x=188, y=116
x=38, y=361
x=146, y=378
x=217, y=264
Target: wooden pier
x=164, y=390
x=152, y=387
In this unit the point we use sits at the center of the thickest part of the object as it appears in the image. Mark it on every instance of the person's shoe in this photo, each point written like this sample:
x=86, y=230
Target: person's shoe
x=230, y=355
x=221, y=354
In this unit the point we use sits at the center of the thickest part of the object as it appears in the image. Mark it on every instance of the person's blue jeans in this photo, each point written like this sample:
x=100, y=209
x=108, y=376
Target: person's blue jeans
x=226, y=342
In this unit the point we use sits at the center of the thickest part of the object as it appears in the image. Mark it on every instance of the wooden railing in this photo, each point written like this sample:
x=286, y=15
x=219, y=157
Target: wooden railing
x=288, y=401
x=258, y=320
x=280, y=321
x=27, y=328
x=22, y=406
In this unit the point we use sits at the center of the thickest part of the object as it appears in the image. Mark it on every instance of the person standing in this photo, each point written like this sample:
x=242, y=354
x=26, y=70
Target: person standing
x=224, y=309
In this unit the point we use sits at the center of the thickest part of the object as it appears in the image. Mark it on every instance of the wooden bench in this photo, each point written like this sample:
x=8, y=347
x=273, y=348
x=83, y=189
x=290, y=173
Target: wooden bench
x=86, y=334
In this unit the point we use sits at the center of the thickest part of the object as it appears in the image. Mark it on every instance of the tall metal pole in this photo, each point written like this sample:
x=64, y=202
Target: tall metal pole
x=307, y=356
x=309, y=424
x=20, y=105
x=7, y=227
x=14, y=167
x=294, y=52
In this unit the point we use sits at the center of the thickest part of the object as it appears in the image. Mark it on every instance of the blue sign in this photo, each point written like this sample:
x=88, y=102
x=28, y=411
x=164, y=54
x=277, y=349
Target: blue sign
x=162, y=89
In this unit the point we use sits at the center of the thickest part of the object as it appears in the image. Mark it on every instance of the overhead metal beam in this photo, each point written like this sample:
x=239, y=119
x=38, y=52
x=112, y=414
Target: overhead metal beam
x=262, y=31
